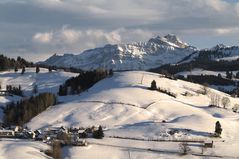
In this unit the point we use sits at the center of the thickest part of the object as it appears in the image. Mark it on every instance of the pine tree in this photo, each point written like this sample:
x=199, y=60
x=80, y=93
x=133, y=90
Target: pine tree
x=23, y=69
x=35, y=89
x=229, y=75
x=37, y=69
x=111, y=72
x=98, y=134
x=15, y=69
x=62, y=91
x=218, y=129
x=153, y=85
x=50, y=69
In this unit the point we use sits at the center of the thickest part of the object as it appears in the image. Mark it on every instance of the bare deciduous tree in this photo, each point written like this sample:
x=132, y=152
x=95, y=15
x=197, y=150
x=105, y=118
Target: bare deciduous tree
x=215, y=100
x=35, y=89
x=205, y=89
x=184, y=148
x=225, y=102
x=203, y=149
x=235, y=108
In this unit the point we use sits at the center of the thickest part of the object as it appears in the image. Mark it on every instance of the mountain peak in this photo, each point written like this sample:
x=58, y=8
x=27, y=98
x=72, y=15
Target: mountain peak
x=219, y=46
x=134, y=56
x=169, y=39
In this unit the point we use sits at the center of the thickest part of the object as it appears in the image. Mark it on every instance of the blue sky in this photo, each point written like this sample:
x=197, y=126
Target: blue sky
x=37, y=29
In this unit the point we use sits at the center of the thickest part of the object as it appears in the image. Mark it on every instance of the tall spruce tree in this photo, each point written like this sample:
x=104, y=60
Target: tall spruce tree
x=218, y=128
x=15, y=69
x=37, y=69
x=153, y=85
x=23, y=69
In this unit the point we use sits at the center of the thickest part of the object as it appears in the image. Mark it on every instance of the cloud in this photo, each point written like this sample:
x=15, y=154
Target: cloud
x=43, y=37
x=227, y=31
x=46, y=26
x=72, y=40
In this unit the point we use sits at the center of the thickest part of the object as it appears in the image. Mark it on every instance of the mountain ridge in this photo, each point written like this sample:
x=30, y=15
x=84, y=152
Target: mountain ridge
x=157, y=51
x=134, y=56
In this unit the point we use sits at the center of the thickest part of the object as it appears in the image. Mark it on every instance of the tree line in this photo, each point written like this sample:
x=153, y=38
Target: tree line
x=206, y=64
x=14, y=90
x=9, y=63
x=83, y=81
x=23, y=111
x=153, y=87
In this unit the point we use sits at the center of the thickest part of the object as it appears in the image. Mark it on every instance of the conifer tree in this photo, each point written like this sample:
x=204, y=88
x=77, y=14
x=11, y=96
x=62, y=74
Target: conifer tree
x=98, y=134
x=37, y=69
x=50, y=69
x=218, y=128
x=23, y=69
x=153, y=85
x=15, y=69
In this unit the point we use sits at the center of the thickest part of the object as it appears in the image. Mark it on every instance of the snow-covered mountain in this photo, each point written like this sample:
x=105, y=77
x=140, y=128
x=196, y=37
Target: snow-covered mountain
x=216, y=53
x=135, y=56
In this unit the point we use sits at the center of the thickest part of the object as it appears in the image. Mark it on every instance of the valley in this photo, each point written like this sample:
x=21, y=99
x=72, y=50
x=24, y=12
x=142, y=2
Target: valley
x=141, y=114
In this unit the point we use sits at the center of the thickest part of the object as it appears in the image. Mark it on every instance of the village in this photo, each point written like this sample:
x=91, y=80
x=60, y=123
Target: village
x=66, y=136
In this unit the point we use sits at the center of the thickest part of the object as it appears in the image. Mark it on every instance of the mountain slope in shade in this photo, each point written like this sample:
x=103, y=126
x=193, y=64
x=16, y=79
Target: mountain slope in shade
x=136, y=56
x=216, y=53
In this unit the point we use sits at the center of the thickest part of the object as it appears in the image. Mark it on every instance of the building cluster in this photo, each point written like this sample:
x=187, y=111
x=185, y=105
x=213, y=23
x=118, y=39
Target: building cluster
x=66, y=136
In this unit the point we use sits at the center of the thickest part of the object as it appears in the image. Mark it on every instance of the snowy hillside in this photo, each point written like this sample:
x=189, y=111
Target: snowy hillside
x=19, y=149
x=126, y=108
x=44, y=80
x=136, y=56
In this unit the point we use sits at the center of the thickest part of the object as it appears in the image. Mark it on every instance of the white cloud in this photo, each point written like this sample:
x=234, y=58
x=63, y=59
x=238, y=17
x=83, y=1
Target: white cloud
x=69, y=35
x=227, y=31
x=43, y=37
x=75, y=40
x=94, y=23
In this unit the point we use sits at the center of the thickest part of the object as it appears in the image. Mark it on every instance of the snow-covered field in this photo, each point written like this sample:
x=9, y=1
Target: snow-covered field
x=126, y=108
x=22, y=149
x=46, y=82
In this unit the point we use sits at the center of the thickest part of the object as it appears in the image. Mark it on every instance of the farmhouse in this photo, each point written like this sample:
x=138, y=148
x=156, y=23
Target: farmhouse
x=7, y=133
x=5, y=93
x=208, y=144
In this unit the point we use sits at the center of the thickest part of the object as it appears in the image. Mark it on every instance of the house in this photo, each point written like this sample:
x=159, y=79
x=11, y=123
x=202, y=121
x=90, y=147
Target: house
x=80, y=143
x=28, y=134
x=208, y=144
x=16, y=128
x=82, y=134
x=2, y=125
x=54, y=132
x=89, y=131
x=7, y=133
x=5, y=93
x=39, y=135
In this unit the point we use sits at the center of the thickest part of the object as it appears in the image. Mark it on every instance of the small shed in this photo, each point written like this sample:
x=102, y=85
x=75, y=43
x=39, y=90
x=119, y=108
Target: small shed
x=7, y=133
x=208, y=144
x=4, y=93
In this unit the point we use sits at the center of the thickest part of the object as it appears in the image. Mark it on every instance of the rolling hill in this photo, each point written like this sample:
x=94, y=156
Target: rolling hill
x=126, y=108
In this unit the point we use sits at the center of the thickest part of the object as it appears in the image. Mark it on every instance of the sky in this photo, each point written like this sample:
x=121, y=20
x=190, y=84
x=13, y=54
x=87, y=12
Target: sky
x=37, y=29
